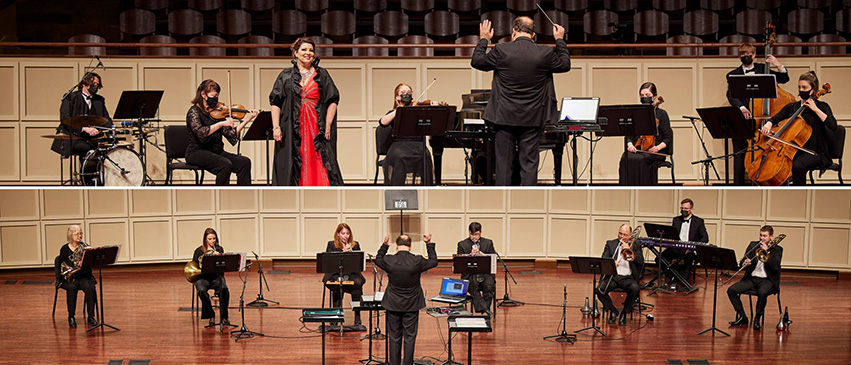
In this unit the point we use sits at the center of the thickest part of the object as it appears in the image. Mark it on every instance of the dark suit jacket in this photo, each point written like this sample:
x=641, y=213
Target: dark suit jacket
x=696, y=229
x=522, y=92
x=635, y=266
x=465, y=247
x=772, y=267
x=74, y=105
x=759, y=68
x=404, y=292
x=333, y=276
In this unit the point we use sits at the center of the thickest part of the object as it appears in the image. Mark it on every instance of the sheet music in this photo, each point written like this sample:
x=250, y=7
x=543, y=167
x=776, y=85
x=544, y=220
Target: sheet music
x=469, y=323
x=242, y=256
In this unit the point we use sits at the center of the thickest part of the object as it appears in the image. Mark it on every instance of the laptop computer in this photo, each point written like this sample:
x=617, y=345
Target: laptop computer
x=452, y=291
x=579, y=110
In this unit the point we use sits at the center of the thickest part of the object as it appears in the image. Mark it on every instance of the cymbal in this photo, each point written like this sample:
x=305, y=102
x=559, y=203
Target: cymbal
x=80, y=121
x=68, y=137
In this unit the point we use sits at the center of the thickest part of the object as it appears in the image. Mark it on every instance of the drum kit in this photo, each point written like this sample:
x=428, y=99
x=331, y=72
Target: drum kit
x=112, y=162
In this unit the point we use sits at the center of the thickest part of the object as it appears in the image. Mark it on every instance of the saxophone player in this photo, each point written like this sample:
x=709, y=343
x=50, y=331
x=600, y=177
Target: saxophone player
x=764, y=277
x=628, y=274
x=73, y=279
x=210, y=245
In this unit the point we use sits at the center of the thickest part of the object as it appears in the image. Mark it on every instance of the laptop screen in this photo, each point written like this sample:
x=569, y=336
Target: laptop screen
x=454, y=287
x=579, y=109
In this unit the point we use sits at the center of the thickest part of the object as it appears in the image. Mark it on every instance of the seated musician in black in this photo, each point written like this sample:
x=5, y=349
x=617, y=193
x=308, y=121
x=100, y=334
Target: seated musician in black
x=819, y=117
x=69, y=255
x=482, y=286
x=344, y=242
x=628, y=275
x=215, y=281
x=84, y=101
x=763, y=277
x=206, y=149
x=404, y=154
x=691, y=228
x=638, y=168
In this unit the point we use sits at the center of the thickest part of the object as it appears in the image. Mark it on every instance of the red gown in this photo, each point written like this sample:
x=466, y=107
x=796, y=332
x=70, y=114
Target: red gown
x=313, y=171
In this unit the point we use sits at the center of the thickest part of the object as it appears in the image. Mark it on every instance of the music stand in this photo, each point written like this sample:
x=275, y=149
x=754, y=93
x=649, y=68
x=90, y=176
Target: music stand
x=423, y=121
x=402, y=200
x=591, y=265
x=139, y=105
x=469, y=324
x=220, y=264
x=370, y=304
x=725, y=122
x=628, y=120
x=721, y=259
x=474, y=265
x=339, y=263
x=98, y=258
x=322, y=315
x=261, y=130
x=660, y=232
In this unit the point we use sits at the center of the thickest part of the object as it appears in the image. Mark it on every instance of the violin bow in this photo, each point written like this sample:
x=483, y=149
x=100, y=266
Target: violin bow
x=426, y=89
x=792, y=145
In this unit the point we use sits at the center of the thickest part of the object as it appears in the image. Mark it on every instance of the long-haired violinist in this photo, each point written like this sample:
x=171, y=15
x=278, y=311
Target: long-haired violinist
x=72, y=278
x=638, y=165
x=210, y=245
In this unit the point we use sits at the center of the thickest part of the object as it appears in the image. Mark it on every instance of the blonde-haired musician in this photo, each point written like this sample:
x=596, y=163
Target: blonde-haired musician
x=80, y=280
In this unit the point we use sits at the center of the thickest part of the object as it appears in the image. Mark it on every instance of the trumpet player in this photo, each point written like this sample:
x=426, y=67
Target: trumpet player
x=216, y=281
x=69, y=258
x=628, y=274
x=764, y=277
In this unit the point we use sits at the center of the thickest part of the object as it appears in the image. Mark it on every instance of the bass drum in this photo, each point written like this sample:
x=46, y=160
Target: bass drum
x=118, y=166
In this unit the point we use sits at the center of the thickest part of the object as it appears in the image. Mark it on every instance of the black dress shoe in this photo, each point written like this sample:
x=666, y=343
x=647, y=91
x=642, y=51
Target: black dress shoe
x=92, y=321
x=213, y=321
x=226, y=322
x=613, y=316
x=622, y=319
x=72, y=322
x=756, y=325
x=740, y=321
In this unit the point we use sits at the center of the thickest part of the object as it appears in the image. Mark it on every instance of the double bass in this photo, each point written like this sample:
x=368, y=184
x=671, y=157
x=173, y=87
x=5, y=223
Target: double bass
x=772, y=164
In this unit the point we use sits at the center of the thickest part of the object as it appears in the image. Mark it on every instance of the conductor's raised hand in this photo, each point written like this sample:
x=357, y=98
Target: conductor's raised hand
x=558, y=31
x=486, y=30
x=427, y=238
x=387, y=239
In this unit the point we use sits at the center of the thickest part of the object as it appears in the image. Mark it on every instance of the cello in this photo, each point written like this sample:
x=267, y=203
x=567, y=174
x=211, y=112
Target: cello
x=773, y=157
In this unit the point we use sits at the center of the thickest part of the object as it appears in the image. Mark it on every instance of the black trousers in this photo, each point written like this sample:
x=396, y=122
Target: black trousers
x=804, y=162
x=402, y=325
x=625, y=282
x=87, y=285
x=522, y=142
x=356, y=291
x=482, y=292
x=739, y=161
x=219, y=284
x=763, y=288
x=222, y=165
x=688, y=258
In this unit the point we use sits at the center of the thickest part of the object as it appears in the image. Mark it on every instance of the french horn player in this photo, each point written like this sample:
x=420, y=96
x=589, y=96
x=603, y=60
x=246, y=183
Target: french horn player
x=204, y=282
x=72, y=278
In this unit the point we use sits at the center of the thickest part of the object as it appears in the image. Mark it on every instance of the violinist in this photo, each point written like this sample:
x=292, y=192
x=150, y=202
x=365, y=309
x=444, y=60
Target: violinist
x=205, y=148
x=819, y=117
x=639, y=163
x=404, y=154
x=747, y=55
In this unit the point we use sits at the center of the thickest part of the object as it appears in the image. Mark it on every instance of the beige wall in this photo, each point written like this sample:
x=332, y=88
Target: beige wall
x=29, y=108
x=165, y=225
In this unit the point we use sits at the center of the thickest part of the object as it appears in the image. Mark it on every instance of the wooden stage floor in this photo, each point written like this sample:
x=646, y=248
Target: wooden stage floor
x=145, y=306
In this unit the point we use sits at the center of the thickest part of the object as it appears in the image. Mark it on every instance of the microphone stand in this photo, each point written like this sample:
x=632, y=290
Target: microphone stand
x=243, y=331
x=564, y=336
x=708, y=161
x=506, y=301
x=377, y=335
x=260, y=302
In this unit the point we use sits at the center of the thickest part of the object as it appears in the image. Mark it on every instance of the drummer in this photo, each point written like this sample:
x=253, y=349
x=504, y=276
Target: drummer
x=84, y=101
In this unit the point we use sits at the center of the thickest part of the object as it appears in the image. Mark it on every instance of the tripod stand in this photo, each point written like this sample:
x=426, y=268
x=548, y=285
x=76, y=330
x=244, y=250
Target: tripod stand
x=506, y=300
x=260, y=302
x=720, y=259
x=594, y=266
x=564, y=336
x=243, y=331
x=377, y=335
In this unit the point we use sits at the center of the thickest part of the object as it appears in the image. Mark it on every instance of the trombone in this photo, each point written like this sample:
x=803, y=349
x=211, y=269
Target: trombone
x=628, y=254
x=759, y=254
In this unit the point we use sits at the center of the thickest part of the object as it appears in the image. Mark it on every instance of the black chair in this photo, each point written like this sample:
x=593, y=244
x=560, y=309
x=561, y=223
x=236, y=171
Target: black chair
x=383, y=139
x=752, y=293
x=669, y=164
x=638, y=304
x=57, y=262
x=176, y=140
x=836, y=147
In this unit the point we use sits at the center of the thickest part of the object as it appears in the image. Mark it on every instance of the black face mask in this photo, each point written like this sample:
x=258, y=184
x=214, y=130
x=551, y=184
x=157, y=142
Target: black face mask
x=407, y=99
x=93, y=89
x=684, y=213
x=746, y=60
x=646, y=100
x=212, y=102
x=804, y=94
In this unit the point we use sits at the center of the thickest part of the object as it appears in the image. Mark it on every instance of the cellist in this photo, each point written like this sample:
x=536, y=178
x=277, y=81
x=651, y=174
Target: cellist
x=747, y=54
x=819, y=116
x=637, y=165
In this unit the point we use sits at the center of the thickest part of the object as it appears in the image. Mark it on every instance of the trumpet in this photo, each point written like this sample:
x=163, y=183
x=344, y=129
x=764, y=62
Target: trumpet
x=628, y=254
x=759, y=254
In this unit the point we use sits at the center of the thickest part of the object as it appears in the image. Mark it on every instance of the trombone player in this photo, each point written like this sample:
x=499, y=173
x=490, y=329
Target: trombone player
x=764, y=277
x=628, y=273
x=210, y=245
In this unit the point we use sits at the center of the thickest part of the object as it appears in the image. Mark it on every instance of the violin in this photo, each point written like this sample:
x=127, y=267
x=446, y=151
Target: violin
x=428, y=103
x=645, y=143
x=235, y=111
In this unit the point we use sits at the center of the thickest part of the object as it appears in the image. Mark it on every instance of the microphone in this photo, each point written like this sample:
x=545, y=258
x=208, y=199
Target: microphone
x=255, y=256
x=692, y=118
x=100, y=63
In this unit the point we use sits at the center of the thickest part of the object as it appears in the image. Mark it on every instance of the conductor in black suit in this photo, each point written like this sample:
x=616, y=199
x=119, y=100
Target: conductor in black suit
x=522, y=94
x=482, y=286
x=404, y=297
x=764, y=277
x=690, y=228
x=747, y=54
x=628, y=275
